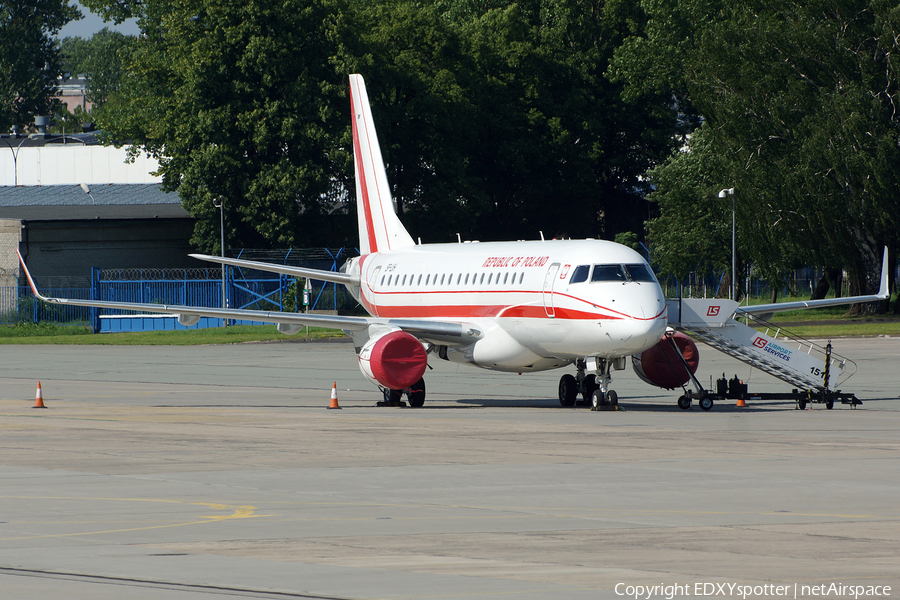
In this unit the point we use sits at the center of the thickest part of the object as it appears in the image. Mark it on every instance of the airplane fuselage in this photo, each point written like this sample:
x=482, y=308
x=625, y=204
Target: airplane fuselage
x=539, y=304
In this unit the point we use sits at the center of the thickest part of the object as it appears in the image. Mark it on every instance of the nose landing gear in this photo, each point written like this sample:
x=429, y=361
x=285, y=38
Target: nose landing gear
x=594, y=387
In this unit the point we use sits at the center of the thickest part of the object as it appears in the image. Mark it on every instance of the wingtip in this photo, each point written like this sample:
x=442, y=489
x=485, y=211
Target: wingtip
x=31, y=283
x=883, y=290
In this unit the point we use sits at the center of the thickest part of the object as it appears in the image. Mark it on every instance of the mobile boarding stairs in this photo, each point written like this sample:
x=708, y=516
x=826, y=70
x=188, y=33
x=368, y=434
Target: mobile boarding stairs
x=806, y=366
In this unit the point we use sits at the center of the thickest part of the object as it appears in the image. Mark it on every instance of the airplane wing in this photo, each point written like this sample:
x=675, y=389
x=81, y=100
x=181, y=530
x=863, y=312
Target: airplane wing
x=330, y=276
x=436, y=331
x=764, y=309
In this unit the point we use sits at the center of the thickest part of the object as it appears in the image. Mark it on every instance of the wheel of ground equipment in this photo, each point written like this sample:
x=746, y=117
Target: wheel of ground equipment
x=706, y=403
x=416, y=394
x=684, y=403
x=801, y=404
x=829, y=404
x=568, y=390
x=612, y=398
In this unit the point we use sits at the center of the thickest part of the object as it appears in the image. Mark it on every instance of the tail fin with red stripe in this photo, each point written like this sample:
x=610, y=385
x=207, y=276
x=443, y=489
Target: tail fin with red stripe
x=379, y=228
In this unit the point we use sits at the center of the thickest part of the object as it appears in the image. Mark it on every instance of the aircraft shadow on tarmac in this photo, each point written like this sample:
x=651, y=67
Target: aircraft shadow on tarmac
x=655, y=405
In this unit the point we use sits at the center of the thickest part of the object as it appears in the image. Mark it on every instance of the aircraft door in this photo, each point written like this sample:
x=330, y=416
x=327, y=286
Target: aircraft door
x=372, y=284
x=547, y=294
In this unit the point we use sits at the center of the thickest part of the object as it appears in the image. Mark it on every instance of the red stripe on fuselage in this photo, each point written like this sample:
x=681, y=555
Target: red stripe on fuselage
x=450, y=311
x=535, y=311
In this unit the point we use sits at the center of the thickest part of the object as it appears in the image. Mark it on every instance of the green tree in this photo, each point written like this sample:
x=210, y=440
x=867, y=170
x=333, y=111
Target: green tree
x=238, y=102
x=800, y=104
x=29, y=57
x=417, y=77
x=499, y=121
x=100, y=60
x=496, y=119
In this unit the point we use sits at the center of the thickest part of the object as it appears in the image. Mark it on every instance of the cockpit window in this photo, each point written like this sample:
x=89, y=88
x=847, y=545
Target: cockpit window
x=608, y=273
x=640, y=272
x=580, y=273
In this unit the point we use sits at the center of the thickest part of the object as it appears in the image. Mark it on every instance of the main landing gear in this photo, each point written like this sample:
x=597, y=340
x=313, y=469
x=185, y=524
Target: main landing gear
x=415, y=394
x=593, y=388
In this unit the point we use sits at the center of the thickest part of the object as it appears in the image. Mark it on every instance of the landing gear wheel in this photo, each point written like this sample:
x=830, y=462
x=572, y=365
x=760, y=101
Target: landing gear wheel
x=597, y=400
x=706, y=403
x=612, y=398
x=589, y=384
x=392, y=398
x=568, y=390
x=601, y=401
x=684, y=403
x=416, y=394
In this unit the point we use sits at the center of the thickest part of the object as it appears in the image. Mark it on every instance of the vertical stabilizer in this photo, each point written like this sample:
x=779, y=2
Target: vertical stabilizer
x=379, y=228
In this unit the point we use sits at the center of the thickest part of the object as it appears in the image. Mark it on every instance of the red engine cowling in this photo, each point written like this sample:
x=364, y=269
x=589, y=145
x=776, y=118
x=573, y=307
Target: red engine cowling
x=395, y=360
x=660, y=366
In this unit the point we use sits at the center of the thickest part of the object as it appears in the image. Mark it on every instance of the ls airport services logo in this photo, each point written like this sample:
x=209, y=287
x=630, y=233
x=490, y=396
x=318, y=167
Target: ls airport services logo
x=773, y=349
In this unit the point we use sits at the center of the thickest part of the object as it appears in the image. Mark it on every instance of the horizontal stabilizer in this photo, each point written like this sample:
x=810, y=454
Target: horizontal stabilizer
x=316, y=274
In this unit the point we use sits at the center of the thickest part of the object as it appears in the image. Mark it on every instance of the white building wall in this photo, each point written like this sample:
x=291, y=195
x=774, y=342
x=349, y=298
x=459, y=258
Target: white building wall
x=73, y=163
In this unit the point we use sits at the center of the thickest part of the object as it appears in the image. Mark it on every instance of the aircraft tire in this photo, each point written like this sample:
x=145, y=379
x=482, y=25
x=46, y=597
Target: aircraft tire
x=612, y=398
x=568, y=390
x=589, y=385
x=416, y=394
x=392, y=397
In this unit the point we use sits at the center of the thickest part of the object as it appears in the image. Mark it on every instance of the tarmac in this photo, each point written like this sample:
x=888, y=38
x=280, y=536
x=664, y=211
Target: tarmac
x=218, y=472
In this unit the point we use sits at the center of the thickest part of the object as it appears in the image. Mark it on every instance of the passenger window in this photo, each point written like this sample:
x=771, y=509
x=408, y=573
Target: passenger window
x=608, y=273
x=419, y=282
x=505, y=277
x=482, y=278
x=580, y=274
x=490, y=276
x=458, y=278
x=382, y=280
x=442, y=278
x=404, y=280
x=467, y=279
x=427, y=279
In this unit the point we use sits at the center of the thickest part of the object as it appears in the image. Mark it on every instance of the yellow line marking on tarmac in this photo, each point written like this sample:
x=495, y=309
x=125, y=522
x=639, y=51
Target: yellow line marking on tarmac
x=240, y=512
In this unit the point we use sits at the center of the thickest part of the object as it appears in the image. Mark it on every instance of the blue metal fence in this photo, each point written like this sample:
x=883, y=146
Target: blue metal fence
x=18, y=305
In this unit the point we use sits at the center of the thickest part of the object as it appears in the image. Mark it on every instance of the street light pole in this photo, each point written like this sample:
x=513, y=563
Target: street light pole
x=221, y=207
x=15, y=154
x=732, y=290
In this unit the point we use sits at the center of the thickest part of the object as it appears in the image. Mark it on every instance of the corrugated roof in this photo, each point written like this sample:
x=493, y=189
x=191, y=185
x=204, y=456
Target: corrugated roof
x=108, y=201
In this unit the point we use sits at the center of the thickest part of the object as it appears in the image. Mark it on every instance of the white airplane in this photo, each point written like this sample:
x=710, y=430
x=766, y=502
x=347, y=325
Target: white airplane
x=506, y=306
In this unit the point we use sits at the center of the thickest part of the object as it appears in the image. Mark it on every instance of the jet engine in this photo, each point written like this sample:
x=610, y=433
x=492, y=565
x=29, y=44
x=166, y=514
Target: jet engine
x=661, y=366
x=395, y=360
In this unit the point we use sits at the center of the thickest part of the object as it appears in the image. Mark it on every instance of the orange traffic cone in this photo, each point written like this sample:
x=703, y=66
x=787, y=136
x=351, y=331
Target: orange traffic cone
x=39, y=398
x=741, y=402
x=334, y=401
